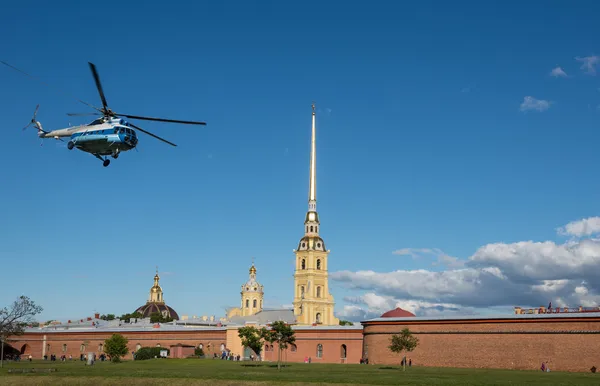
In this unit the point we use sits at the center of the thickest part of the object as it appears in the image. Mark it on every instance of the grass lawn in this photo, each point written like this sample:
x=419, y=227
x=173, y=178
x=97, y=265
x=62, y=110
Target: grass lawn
x=218, y=372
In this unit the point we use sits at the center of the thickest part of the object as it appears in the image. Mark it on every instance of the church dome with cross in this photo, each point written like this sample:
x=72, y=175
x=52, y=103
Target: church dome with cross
x=156, y=303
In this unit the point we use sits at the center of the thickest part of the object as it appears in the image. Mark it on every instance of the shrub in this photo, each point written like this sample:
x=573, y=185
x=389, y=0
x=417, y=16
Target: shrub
x=199, y=352
x=149, y=353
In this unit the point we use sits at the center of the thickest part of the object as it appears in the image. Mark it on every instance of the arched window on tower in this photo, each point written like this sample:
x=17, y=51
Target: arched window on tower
x=311, y=228
x=307, y=228
x=319, y=350
x=318, y=291
x=316, y=228
x=318, y=317
x=303, y=264
x=247, y=303
x=318, y=263
x=301, y=291
x=254, y=303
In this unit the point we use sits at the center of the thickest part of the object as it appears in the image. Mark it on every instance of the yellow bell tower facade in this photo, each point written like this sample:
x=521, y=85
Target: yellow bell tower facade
x=312, y=301
x=252, y=295
x=156, y=293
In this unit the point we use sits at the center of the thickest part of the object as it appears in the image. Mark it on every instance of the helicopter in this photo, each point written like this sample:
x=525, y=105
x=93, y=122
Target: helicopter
x=107, y=136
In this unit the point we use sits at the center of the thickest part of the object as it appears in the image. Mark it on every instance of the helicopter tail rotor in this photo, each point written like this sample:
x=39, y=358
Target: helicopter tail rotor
x=33, y=121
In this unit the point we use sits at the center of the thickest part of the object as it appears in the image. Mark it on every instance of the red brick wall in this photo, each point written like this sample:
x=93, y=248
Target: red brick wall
x=306, y=343
x=331, y=340
x=496, y=344
x=74, y=340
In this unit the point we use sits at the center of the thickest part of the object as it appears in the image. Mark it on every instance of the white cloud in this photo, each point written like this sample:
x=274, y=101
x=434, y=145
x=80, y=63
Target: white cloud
x=525, y=273
x=558, y=72
x=584, y=227
x=589, y=63
x=530, y=103
x=441, y=257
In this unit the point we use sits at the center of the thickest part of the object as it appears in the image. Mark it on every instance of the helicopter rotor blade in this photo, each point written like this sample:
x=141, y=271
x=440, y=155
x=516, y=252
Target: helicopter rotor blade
x=161, y=119
x=46, y=84
x=98, y=85
x=81, y=114
x=150, y=134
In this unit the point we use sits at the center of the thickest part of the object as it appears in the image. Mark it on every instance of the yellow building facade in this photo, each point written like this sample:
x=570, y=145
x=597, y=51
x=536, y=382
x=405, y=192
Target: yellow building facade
x=252, y=297
x=313, y=304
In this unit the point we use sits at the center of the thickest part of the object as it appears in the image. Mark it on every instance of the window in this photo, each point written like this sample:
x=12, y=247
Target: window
x=247, y=303
x=318, y=292
x=200, y=346
x=64, y=348
x=318, y=317
x=343, y=351
x=254, y=303
x=138, y=346
x=318, y=263
x=48, y=347
x=319, y=350
x=316, y=228
x=82, y=348
x=311, y=228
x=158, y=345
x=307, y=228
x=301, y=291
x=303, y=264
x=294, y=347
x=100, y=347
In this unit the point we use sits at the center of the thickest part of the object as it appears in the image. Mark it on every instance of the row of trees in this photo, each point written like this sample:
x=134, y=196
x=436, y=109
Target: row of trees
x=255, y=338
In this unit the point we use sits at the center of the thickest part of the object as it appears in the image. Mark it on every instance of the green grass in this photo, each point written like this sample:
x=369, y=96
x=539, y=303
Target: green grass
x=218, y=372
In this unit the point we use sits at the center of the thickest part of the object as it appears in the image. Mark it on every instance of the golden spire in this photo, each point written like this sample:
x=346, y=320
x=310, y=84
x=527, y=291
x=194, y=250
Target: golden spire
x=312, y=187
x=252, y=268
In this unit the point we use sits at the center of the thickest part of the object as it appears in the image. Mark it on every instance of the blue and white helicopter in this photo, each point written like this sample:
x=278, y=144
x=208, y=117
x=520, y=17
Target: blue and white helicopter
x=106, y=136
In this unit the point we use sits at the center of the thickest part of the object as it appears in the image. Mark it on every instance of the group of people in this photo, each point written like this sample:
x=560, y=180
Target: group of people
x=227, y=356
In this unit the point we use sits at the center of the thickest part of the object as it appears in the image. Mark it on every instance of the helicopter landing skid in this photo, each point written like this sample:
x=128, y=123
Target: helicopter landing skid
x=105, y=161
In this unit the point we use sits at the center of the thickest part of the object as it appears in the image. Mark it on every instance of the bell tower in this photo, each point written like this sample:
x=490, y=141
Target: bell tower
x=312, y=301
x=156, y=292
x=252, y=294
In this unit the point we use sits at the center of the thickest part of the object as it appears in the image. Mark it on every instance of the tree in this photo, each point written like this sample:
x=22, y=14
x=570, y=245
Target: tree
x=116, y=347
x=283, y=334
x=127, y=317
x=346, y=323
x=15, y=318
x=405, y=341
x=157, y=317
x=252, y=338
x=108, y=317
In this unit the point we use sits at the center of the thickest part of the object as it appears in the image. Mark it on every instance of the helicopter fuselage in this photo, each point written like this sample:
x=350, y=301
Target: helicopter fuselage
x=100, y=138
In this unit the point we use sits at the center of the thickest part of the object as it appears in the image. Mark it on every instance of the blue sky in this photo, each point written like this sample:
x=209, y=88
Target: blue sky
x=428, y=146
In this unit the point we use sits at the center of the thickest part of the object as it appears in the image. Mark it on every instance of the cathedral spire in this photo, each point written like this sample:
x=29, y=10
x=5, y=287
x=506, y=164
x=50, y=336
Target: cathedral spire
x=312, y=185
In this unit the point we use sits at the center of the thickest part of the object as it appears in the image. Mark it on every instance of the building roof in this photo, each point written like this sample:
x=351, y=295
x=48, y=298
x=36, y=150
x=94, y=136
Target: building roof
x=150, y=307
x=514, y=317
x=267, y=316
x=397, y=313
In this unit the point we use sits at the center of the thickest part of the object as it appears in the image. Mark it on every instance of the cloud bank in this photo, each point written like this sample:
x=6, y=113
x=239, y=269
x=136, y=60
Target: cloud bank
x=526, y=273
